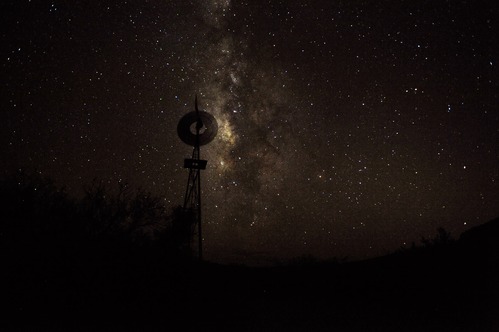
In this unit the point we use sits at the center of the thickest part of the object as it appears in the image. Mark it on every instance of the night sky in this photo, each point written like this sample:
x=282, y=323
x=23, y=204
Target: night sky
x=346, y=128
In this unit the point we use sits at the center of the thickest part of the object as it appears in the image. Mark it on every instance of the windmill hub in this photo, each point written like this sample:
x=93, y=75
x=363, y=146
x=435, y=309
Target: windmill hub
x=197, y=126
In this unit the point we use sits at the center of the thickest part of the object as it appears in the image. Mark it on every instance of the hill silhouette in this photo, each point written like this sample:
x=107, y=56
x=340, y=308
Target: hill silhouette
x=109, y=262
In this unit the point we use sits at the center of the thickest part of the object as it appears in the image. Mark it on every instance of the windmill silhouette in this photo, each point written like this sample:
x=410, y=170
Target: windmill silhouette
x=196, y=128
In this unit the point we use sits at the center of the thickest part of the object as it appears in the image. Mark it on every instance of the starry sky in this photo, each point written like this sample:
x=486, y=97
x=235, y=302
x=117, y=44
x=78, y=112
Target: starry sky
x=346, y=128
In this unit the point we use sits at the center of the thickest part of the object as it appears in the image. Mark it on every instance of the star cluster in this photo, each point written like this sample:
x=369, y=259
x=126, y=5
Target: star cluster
x=345, y=128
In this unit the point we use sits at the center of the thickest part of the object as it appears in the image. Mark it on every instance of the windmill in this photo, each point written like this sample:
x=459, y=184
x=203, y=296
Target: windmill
x=195, y=128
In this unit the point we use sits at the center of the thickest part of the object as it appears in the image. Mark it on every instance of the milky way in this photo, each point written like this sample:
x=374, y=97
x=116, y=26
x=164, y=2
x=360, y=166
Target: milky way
x=346, y=129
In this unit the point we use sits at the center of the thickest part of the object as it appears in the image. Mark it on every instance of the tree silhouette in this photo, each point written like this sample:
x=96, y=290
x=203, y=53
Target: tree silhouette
x=41, y=223
x=441, y=239
x=136, y=215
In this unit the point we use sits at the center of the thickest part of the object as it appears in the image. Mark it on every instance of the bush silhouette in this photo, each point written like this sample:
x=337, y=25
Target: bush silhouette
x=441, y=239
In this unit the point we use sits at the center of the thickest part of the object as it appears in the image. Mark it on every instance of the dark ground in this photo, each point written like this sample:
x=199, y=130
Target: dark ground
x=450, y=287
